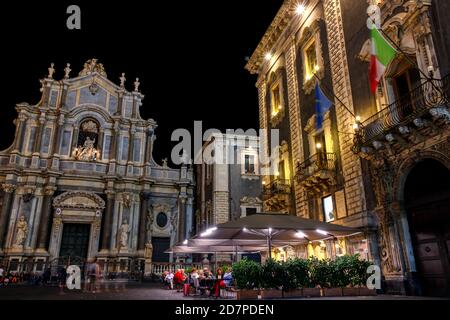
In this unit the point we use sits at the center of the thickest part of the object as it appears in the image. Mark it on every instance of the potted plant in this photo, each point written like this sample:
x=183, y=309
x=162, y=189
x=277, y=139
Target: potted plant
x=361, y=276
x=345, y=272
x=315, y=277
x=296, y=278
x=272, y=277
x=247, y=276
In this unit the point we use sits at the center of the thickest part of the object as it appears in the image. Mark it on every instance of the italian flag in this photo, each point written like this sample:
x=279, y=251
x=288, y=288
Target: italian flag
x=382, y=54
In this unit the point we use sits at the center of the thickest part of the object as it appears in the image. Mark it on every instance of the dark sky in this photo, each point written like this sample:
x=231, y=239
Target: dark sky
x=189, y=56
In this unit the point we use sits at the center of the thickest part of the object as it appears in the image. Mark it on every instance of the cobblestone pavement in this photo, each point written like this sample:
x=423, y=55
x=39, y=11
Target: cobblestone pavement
x=130, y=291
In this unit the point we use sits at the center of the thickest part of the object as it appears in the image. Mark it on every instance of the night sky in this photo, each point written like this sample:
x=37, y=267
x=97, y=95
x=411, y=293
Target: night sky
x=189, y=56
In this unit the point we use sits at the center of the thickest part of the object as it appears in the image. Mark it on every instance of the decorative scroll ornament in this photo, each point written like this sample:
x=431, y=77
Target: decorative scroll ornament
x=92, y=66
x=87, y=152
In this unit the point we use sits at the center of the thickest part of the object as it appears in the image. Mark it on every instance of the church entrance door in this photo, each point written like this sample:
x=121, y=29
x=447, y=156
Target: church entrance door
x=75, y=240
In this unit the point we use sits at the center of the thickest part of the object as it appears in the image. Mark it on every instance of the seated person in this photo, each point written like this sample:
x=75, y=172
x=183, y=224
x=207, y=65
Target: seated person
x=228, y=278
x=195, y=278
x=179, y=278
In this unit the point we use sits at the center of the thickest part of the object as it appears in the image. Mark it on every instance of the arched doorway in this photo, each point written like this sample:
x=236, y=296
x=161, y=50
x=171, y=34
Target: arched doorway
x=427, y=202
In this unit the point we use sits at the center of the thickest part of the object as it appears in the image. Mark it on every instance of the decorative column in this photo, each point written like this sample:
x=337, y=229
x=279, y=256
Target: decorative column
x=181, y=218
x=295, y=124
x=145, y=196
x=100, y=142
x=20, y=132
x=45, y=221
x=75, y=137
x=108, y=219
x=39, y=134
x=6, y=211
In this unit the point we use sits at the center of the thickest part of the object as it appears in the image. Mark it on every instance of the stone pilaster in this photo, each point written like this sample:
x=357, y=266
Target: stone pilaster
x=6, y=211
x=45, y=221
x=181, y=218
x=351, y=163
x=295, y=124
x=108, y=218
x=20, y=132
x=145, y=196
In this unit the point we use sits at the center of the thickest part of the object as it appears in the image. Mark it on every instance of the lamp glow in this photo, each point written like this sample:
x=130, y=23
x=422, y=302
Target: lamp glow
x=300, y=9
x=322, y=232
x=270, y=230
x=300, y=234
x=244, y=229
x=318, y=146
x=208, y=232
x=355, y=126
x=185, y=242
x=358, y=119
x=268, y=56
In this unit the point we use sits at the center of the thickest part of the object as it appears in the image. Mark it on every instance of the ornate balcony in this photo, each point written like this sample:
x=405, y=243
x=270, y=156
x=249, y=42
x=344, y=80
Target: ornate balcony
x=277, y=195
x=406, y=121
x=318, y=173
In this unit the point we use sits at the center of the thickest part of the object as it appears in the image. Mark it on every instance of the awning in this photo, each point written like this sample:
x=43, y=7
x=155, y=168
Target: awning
x=267, y=229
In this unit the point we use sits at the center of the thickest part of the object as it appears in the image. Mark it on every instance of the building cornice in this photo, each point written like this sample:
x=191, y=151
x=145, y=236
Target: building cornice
x=272, y=34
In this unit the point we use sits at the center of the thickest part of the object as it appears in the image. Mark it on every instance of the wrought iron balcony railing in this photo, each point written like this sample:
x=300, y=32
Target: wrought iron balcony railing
x=429, y=94
x=277, y=186
x=316, y=164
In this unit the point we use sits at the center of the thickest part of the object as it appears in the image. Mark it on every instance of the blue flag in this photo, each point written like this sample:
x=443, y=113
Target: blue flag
x=323, y=104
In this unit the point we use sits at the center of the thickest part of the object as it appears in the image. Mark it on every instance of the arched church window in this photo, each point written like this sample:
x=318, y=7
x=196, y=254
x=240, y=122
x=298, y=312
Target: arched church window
x=87, y=142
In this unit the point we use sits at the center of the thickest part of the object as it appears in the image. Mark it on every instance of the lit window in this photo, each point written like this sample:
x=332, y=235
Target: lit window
x=328, y=208
x=311, y=61
x=276, y=100
x=249, y=164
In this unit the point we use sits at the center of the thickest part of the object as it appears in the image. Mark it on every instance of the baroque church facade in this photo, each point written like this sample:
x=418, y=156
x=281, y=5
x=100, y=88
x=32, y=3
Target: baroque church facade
x=80, y=181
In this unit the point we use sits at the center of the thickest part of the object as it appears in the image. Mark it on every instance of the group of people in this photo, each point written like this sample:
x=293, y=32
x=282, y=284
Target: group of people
x=203, y=281
x=10, y=278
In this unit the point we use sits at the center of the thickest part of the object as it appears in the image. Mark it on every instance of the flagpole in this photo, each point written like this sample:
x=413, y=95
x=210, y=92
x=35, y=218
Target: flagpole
x=411, y=61
x=337, y=98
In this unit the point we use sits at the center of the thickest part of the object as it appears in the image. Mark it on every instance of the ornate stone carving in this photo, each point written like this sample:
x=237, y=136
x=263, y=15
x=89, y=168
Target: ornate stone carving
x=89, y=126
x=92, y=66
x=8, y=188
x=21, y=233
x=80, y=200
x=127, y=198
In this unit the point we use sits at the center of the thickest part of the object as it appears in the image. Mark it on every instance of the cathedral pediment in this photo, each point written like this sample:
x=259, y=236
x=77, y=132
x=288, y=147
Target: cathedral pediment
x=81, y=200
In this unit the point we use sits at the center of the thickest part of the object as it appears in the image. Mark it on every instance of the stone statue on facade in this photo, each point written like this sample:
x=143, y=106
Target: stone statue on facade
x=136, y=85
x=92, y=66
x=148, y=253
x=67, y=71
x=124, y=230
x=51, y=71
x=88, y=152
x=122, y=80
x=21, y=232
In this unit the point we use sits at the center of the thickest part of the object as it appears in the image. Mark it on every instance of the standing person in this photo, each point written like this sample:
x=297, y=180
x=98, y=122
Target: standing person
x=62, y=276
x=2, y=271
x=93, y=273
